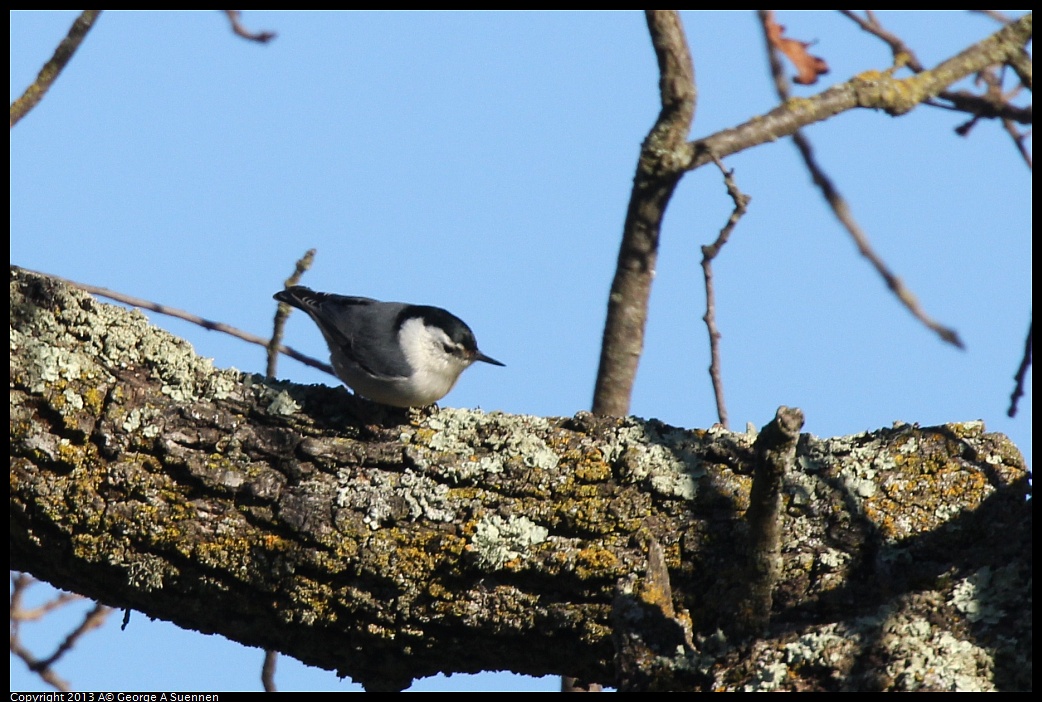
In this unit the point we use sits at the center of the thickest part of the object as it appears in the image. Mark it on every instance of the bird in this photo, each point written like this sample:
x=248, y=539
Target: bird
x=393, y=353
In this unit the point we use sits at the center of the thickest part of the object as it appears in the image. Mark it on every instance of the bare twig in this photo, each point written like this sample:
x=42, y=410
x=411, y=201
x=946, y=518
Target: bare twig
x=92, y=620
x=1018, y=138
x=999, y=17
x=194, y=319
x=44, y=667
x=991, y=105
x=282, y=312
x=869, y=90
x=903, y=54
x=982, y=107
x=843, y=213
x=1021, y=62
x=21, y=581
x=659, y=168
x=1022, y=371
x=239, y=29
x=741, y=203
x=992, y=77
x=53, y=68
x=268, y=670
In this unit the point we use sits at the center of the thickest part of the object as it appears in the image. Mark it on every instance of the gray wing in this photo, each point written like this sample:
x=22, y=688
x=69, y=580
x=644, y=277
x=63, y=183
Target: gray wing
x=360, y=329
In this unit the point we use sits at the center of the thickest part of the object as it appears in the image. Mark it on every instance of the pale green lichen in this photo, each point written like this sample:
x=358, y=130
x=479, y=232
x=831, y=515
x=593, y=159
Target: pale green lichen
x=820, y=649
x=665, y=457
x=385, y=498
x=426, y=498
x=283, y=405
x=919, y=655
x=101, y=336
x=985, y=593
x=497, y=540
x=768, y=677
x=834, y=559
x=73, y=400
x=140, y=418
x=474, y=444
x=147, y=572
x=923, y=658
x=47, y=364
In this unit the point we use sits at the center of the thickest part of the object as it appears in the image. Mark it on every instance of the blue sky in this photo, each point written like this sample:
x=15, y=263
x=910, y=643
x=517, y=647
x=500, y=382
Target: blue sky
x=482, y=162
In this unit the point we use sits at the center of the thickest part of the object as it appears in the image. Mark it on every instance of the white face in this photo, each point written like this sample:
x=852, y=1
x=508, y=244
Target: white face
x=436, y=360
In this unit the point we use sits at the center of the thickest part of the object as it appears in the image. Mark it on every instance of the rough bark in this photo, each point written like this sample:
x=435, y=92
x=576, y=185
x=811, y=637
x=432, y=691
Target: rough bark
x=457, y=541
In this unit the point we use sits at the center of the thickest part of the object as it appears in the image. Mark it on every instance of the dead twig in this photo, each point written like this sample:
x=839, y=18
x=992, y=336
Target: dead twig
x=282, y=312
x=240, y=29
x=53, y=68
x=843, y=213
x=741, y=203
x=44, y=667
x=1022, y=371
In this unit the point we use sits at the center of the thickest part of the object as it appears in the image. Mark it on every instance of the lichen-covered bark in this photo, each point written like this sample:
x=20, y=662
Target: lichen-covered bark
x=452, y=540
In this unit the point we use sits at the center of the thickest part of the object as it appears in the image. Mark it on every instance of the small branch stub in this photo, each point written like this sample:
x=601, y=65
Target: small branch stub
x=775, y=451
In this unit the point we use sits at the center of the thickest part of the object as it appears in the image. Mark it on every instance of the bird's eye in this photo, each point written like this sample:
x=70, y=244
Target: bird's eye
x=449, y=348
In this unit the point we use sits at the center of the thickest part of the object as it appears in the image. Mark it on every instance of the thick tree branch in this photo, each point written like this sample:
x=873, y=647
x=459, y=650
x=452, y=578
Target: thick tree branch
x=658, y=171
x=146, y=479
x=665, y=156
x=208, y=324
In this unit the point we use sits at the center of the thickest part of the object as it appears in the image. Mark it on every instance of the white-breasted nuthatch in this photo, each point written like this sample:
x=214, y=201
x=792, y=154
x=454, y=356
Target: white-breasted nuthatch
x=390, y=352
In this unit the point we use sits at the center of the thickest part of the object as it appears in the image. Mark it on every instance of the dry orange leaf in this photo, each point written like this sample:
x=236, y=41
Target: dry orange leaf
x=808, y=67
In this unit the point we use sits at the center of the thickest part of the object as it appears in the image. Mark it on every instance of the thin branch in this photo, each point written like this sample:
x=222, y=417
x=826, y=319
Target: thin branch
x=874, y=90
x=999, y=17
x=1022, y=371
x=992, y=105
x=658, y=171
x=995, y=95
x=1020, y=62
x=92, y=620
x=1019, y=139
x=20, y=582
x=282, y=312
x=240, y=30
x=47, y=675
x=268, y=670
x=843, y=213
x=903, y=53
x=189, y=317
x=659, y=168
x=741, y=203
x=982, y=107
x=44, y=667
x=53, y=68
x=978, y=105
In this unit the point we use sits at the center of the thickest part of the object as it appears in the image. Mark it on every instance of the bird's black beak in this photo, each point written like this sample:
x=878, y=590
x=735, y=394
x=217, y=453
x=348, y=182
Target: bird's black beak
x=478, y=356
